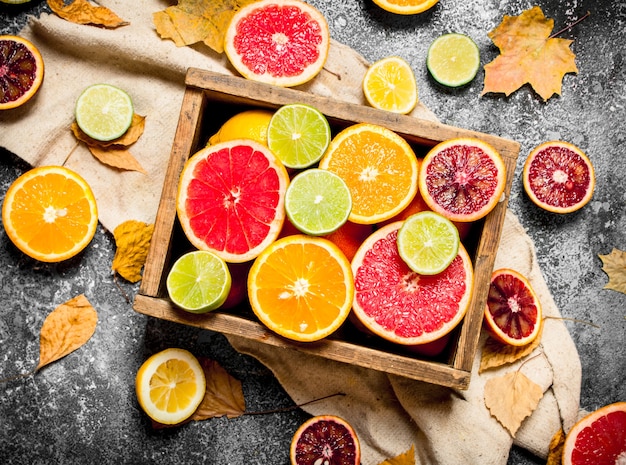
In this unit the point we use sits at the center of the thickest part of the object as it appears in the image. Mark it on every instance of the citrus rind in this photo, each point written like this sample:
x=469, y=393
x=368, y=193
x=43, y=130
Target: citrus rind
x=406, y=7
x=32, y=62
x=248, y=124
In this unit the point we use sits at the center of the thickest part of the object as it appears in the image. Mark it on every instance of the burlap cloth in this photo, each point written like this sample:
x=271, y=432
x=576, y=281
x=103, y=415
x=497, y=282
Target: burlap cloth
x=389, y=412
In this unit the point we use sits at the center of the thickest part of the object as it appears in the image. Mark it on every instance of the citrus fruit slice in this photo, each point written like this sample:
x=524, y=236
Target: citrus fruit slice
x=104, y=112
x=248, y=124
x=299, y=135
x=199, y=281
x=170, y=385
x=513, y=310
x=379, y=167
x=453, y=59
x=558, y=177
x=400, y=305
x=317, y=202
x=462, y=179
x=598, y=438
x=280, y=42
x=325, y=439
x=231, y=199
x=389, y=84
x=406, y=7
x=428, y=242
x=301, y=287
x=50, y=213
x=21, y=71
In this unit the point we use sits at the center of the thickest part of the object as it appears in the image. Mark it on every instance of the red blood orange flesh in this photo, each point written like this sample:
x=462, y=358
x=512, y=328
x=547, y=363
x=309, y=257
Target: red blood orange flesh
x=599, y=438
x=21, y=71
x=400, y=305
x=513, y=311
x=280, y=42
x=325, y=439
x=462, y=179
x=231, y=199
x=558, y=177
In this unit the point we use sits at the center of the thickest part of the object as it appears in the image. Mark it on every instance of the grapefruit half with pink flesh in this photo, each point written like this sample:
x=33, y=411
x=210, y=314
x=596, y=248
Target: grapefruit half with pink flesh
x=231, y=199
x=279, y=42
x=400, y=305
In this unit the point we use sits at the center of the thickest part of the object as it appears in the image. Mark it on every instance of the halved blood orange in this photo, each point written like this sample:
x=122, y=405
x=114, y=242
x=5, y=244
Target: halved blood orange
x=558, y=177
x=598, y=438
x=280, y=42
x=21, y=71
x=231, y=199
x=513, y=311
x=462, y=179
x=400, y=305
x=325, y=439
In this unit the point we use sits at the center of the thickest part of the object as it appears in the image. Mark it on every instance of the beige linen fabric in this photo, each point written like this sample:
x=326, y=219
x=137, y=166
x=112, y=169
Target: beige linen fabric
x=389, y=412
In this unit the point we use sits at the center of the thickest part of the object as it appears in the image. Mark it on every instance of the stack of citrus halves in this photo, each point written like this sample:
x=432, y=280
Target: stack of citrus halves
x=333, y=224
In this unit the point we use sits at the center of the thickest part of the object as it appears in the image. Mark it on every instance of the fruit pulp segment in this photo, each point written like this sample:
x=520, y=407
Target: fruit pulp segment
x=278, y=40
x=602, y=442
x=512, y=306
x=233, y=198
x=18, y=69
x=173, y=386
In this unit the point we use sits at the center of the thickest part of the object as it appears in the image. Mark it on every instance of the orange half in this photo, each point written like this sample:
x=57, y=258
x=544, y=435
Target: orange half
x=406, y=7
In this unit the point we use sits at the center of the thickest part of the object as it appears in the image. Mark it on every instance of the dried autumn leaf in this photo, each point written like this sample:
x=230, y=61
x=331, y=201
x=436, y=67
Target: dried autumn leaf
x=117, y=158
x=131, y=136
x=66, y=329
x=193, y=21
x=406, y=458
x=224, y=394
x=132, y=239
x=528, y=54
x=511, y=398
x=555, y=449
x=83, y=12
x=614, y=265
x=495, y=354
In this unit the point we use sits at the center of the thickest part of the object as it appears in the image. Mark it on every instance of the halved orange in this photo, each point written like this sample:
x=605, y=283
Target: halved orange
x=406, y=7
x=301, y=287
x=379, y=167
x=50, y=213
x=21, y=71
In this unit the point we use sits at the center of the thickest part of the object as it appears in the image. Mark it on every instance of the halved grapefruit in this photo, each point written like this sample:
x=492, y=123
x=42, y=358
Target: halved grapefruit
x=21, y=71
x=280, y=42
x=400, y=305
x=231, y=199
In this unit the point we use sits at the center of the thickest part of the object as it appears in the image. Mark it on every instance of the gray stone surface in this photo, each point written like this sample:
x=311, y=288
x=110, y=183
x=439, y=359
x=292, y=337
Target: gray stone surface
x=84, y=410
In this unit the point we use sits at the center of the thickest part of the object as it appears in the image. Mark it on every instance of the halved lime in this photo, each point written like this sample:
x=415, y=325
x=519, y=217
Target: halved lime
x=298, y=135
x=317, y=201
x=453, y=59
x=428, y=242
x=199, y=282
x=104, y=112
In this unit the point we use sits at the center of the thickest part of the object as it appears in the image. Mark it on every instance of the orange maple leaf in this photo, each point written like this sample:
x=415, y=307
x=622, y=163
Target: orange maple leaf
x=528, y=55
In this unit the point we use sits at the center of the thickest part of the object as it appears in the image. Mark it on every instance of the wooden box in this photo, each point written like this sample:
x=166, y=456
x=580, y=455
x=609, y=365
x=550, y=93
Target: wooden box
x=209, y=100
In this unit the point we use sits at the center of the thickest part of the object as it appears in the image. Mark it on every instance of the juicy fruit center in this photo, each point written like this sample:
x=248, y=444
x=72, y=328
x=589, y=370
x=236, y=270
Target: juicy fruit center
x=369, y=174
x=51, y=214
x=17, y=71
x=172, y=386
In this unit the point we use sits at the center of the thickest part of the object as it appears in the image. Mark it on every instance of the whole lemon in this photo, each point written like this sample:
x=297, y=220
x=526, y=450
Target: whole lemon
x=249, y=124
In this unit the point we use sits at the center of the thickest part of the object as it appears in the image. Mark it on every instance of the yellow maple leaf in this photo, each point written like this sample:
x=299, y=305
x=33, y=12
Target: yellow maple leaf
x=83, y=12
x=406, y=458
x=528, y=55
x=614, y=265
x=132, y=239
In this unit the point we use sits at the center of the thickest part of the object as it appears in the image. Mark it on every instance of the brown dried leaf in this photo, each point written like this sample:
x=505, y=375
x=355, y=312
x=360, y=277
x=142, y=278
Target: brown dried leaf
x=406, y=458
x=66, y=329
x=614, y=265
x=83, y=12
x=511, y=398
x=117, y=158
x=193, y=21
x=132, y=239
x=555, y=452
x=224, y=394
x=495, y=354
x=528, y=55
x=131, y=136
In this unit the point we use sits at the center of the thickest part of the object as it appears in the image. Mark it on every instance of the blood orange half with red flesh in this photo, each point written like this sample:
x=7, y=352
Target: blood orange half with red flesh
x=462, y=179
x=280, y=42
x=599, y=438
x=513, y=312
x=400, y=305
x=327, y=440
x=231, y=199
x=21, y=71
x=558, y=177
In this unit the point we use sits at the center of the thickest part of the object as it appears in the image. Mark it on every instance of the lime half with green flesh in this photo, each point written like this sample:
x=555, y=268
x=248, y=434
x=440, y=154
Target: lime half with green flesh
x=199, y=282
x=453, y=59
x=298, y=135
x=104, y=112
x=317, y=202
x=428, y=242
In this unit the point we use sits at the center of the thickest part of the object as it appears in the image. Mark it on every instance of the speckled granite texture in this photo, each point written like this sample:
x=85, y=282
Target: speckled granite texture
x=83, y=409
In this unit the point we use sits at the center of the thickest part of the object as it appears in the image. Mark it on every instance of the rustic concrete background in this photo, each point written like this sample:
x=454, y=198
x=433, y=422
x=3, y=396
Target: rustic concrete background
x=83, y=410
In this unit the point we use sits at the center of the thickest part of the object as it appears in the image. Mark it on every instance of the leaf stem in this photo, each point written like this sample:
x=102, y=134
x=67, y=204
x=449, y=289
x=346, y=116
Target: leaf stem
x=19, y=376
x=575, y=320
x=293, y=407
x=568, y=27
